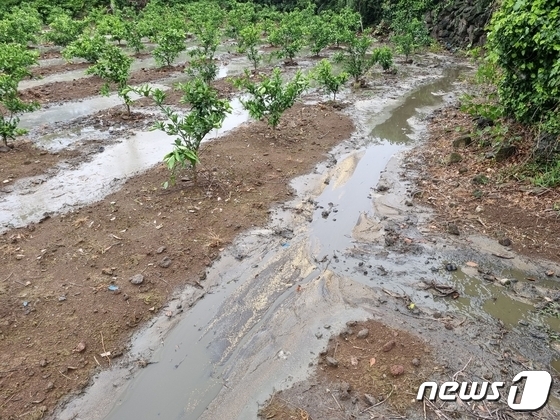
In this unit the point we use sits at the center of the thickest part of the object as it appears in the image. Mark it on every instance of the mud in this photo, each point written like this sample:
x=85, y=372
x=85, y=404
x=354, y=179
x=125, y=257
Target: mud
x=353, y=244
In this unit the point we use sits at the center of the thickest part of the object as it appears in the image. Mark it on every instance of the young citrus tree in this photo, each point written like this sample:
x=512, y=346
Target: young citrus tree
x=289, y=35
x=248, y=40
x=63, y=29
x=171, y=42
x=15, y=60
x=383, y=56
x=21, y=26
x=113, y=25
x=321, y=34
x=89, y=46
x=113, y=66
x=330, y=82
x=271, y=97
x=356, y=62
x=207, y=113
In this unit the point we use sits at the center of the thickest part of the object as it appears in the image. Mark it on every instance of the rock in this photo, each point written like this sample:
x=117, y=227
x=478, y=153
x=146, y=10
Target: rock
x=462, y=141
x=363, y=333
x=370, y=399
x=43, y=363
x=80, y=347
x=547, y=148
x=331, y=361
x=505, y=152
x=137, y=279
x=388, y=346
x=453, y=229
x=454, y=158
x=450, y=267
x=415, y=362
x=165, y=262
x=382, y=186
x=504, y=241
x=325, y=214
x=504, y=282
x=344, y=391
x=346, y=332
x=397, y=370
x=50, y=386
x=160, y=250
x=480, y=179
x=107, y=271
x=353, y=323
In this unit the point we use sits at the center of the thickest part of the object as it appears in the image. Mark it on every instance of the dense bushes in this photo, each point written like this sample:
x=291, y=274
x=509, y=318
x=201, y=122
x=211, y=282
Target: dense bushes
x=524, y=42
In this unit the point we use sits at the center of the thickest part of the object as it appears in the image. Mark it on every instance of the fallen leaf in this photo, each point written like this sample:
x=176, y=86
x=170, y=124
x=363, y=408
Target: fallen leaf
x=372, y=361
x=106, y=354
x=353, y=360
x=80, y=347
x=471, y=264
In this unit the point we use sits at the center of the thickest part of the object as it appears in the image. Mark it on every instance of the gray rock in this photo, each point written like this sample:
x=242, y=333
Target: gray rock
x=454, y=158
x=160, y=250
x=453, y=229
x=165, y=262
x=331, y=361
x=505, y=242
x=505, y=152
x=415, y=362
x=137, y=279
x=363, y=333
x=370, y=399
x=462, y=141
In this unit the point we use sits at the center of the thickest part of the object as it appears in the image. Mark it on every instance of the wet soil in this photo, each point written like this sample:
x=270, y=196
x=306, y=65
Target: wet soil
x=43, y=71
x=24, y=159
x=90, y=86
x=479, y=194
x=65, y=292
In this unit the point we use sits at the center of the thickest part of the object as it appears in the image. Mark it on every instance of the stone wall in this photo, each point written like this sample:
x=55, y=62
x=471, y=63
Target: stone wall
x=460, y=23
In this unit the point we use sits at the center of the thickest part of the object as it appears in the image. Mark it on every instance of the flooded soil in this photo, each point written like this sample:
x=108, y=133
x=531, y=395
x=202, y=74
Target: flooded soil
x=229, y=297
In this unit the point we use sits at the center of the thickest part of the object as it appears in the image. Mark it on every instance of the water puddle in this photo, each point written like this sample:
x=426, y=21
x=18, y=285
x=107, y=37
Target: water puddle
x=95, y=179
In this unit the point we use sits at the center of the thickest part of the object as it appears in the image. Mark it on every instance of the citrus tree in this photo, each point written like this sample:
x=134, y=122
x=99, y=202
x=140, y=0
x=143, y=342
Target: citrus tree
x=248, y=40
x=89, y=46
x=271, y=97
x=21, y=25
x=113, y=66
x=326, y=78
x=356, y=60
x=321, y=34
x=207, y=112
x=289, y=35
x=63, y=29
x=171, y=42
x=15, y=60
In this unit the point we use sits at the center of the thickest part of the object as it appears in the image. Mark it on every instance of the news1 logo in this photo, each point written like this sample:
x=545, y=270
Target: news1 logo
x=533, y=397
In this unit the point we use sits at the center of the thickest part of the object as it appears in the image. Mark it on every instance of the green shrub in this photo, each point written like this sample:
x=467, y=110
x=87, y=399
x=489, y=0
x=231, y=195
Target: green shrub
x=64, y=29
x=330, y=82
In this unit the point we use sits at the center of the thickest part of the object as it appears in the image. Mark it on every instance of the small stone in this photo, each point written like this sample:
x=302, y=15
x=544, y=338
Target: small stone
x=504, y=241
x=382, y=186
x=61, y=298
x=137, y=279
x=415, y=362
x=331, y=361
x=43, y=363
x=353, y=323
x=504, y=281
x=488, y=376
x=370, y=399
x=107, y=271
x=50, y=386
x=325, y=214
x=549, y=273
x=165, y=262
x=452, y=229
x=363, y=333
x=160, y=250
x=450, y=267
x=454, y=158
x=462, y=141
x=389, y=346
x=437, y=315
x=397, y=370
x=448, y=326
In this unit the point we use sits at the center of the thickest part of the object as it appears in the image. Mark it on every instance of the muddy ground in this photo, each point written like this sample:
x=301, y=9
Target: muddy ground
x=69, y=308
